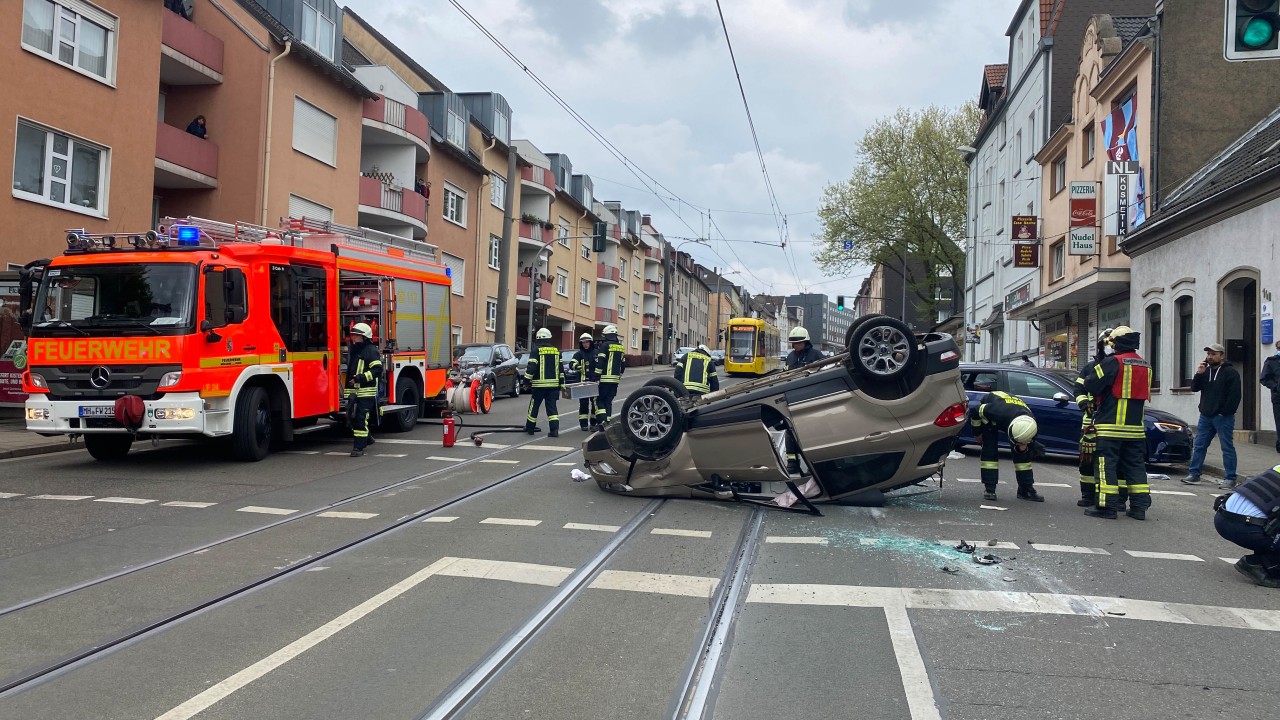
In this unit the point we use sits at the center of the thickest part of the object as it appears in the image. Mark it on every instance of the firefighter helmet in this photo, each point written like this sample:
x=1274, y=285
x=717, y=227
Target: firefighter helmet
x=363, y=330
x=543, y=334
x=798, y=334
x=610, y=330
x=585, y=337
x=1124, y=338
x=1106, y=333
x=1023, y=429
x=702, y=348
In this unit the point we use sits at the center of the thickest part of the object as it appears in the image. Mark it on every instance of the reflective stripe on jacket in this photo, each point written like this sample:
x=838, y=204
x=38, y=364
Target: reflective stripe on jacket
x=610, y=362
x=544, y=368
x=999, y=409
x=365, y=368
x=697, y=372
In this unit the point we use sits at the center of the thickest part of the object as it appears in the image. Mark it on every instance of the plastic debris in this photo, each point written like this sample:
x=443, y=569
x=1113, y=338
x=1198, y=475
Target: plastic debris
x=1006, y=578
x=579, y=476
x=1152, y=477
x=986, y=559
x=949, y=569
x=965, y=547
x=955, y=455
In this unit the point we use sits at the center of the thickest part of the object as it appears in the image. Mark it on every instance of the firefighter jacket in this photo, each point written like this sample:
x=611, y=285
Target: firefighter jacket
x=544, y=369
x=800, y=358
x=364, y=368
x=1121, y=386
x=584, y=361
x=610, y=360
x=997, y=409
x=697, y=371
x=1084, y=399
x=1263, y=490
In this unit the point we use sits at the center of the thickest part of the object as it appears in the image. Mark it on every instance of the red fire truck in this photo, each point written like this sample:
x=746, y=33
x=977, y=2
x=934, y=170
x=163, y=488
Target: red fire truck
x=227, y=330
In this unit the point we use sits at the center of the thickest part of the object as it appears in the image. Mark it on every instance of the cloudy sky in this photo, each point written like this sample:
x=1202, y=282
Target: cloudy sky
x=655, y=78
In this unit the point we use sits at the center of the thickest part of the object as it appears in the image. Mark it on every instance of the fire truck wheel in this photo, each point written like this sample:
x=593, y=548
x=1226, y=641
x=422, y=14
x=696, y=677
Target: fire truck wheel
x=111, y=446
x=405, y=420
x=251, y=428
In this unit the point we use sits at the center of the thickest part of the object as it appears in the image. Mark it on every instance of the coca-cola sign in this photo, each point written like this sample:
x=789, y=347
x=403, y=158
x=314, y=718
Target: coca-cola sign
x=1084, y=204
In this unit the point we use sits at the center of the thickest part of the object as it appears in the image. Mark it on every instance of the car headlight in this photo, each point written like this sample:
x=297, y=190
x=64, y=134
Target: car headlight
x=1170, y=427
x=37, y=414
x=170, y=378
x=184, y=413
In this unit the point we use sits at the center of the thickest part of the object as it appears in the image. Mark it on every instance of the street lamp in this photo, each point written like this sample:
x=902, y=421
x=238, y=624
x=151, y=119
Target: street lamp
x=533, y=278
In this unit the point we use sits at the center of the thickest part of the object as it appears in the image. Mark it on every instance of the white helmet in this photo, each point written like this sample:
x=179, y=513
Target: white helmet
x=702, y=348
x=1023, y=429
x=1104, y=335
x=610, y=330
x=585, y=337
x=363, y=330
x=798, y=334
x=543, y=334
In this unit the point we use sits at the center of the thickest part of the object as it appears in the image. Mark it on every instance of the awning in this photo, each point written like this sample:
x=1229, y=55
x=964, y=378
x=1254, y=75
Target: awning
x=996, y=320
x=1083, y=291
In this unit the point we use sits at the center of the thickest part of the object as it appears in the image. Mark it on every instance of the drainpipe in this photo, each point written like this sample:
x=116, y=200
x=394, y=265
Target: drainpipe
x=481, y=252
x=266, y=155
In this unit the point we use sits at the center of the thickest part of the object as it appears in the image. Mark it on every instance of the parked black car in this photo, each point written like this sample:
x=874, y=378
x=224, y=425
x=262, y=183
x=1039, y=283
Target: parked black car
x=495, y=363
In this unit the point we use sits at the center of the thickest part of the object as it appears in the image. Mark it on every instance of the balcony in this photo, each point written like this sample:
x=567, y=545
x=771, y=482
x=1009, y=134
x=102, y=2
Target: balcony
x=538, y=178
x=387, y=122
x=534, y=235
x=184, y=160
x=188, y=54
x=605, y=316
x=607, y=274
x=650, y=321
x=652, y=287
x=390, y=208
x=653, y=255
x=522, y=290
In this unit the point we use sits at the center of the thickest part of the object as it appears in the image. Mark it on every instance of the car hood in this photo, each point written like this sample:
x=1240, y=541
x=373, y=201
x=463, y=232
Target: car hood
x=1163, y=416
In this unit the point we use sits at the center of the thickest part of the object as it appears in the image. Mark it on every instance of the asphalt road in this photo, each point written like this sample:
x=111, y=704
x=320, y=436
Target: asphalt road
x=545, y=598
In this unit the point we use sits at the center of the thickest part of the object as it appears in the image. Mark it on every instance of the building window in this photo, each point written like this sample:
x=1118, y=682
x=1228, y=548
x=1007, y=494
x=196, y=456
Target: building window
x=1060, y=174
x=498, y=190
x=501, y=125
x=455, y=205
x=1086, y=139
x=1153, y=344
x=1059, y=262
x=635, y=303
x=490, y=314
x=300, y=207
x=457, y=272
x=622, y=309
x=495, y=252
x=635, y=338
x=455, y=130
x=457, y=334
x=636, y=270
x=584, y=292
x=52, y=168
x=586, y=248
x=622, y=268
x=317, y=31
x=562, y=232
x=71, y=33
x=562, y=282
x=315, y=132
x=1186, y=343
x=1017, y=146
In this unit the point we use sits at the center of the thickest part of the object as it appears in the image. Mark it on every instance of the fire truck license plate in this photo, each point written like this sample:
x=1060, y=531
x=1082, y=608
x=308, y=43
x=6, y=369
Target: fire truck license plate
x=97, y=411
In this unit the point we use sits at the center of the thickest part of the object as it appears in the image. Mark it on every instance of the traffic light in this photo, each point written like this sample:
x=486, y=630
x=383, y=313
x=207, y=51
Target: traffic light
x=1252, y=30
x=720, y=336
x=671, y=330
x=840, y=303
x=598, y=231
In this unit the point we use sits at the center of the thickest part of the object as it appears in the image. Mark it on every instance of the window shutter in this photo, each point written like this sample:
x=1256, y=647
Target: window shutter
x=457, y=271
x=300, y=207
x=315, y=132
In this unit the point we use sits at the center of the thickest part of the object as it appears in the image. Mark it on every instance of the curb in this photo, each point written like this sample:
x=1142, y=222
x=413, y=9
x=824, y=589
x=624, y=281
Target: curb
x=38, y=450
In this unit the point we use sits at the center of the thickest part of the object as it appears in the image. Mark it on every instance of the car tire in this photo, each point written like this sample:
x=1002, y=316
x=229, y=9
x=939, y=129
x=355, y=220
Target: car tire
x=676, y=387
x=882, y=348
x=252, y=426
x=108, y=446
x=405, y=420
x=652, y=418
x=515, y=387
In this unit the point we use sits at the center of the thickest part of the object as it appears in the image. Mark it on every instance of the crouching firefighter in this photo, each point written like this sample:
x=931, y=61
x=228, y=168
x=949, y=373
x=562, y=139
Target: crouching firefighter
x=547, y=379
x=697, y=372
x=584, y=361
x=364, y=367
x=1121, y=386
x=1089, y=432
x=1250, y=518
x=610, y=364
x=999, y=411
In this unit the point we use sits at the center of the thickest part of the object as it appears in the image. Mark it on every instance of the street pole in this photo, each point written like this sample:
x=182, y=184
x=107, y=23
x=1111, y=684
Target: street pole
x=504, y=250
x=717, y=310
x=533, y=280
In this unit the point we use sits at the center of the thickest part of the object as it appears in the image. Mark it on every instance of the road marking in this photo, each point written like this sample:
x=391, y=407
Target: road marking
x=510, y=521
x=868, y=541
x=125, y=500
x=660, y=583
x=446, y=459
x=299, y=452
x=588, y=526
x=405, y=441
x=797, y=540
x=391, y=455
x=1233, y=561
x=500, y=462
x=441, y=519
x=984, y=544
x=6, y=496
x=1048, y=484
x=1163, y=556
x=59, y=497
x=187, y=504
x=921, y=700
x=1069, y=549
x=266, y=510
x=218, y=692
x=337, y=453
x=568, y=464
x=1173, y=492
x=992, y=507
x=681, y=533
x=347, y=515
x=967, y=480
x=516, y=572
x=551, y=448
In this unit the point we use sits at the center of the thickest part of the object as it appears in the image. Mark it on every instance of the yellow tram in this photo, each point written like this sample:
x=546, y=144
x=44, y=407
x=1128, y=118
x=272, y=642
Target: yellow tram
x=753, y=348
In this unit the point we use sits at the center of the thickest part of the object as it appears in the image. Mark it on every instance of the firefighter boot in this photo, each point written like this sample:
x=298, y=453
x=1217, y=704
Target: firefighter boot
x=1088, y=493
x=1029, y=493
x=989, y=493
x=1105, y=513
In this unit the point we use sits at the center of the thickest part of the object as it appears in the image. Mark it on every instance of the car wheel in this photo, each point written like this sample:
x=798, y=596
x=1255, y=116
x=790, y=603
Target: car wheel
x=652, y=417
x=883, y=348
x=515, y=386
x=108, y=446
x=676, y=387
x=406, y=420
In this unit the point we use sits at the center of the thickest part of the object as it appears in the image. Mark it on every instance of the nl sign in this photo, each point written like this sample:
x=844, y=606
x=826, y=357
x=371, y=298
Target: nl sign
x=1082, y=238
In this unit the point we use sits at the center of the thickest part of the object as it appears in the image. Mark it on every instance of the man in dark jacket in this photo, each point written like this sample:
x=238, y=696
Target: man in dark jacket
x=1271, y=380
x=584, y=361
x=802, y=351
x=364, y=367
x=1219, y=386
x=1250, y=518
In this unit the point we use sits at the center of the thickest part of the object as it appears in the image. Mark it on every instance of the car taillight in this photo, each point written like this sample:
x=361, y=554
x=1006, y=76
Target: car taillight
x=954, y=415
x=948, y=356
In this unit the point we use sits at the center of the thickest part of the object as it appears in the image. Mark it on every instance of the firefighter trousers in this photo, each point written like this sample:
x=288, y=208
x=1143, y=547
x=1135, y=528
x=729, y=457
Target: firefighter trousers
x=1088, y=469
x=604, y=403
x=1122, y=461
x=989, y=462
x=586, y=412
x=540, y=396
x=361, y=413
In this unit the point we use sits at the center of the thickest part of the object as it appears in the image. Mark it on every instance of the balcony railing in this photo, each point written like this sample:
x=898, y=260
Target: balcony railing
x=653, y=254
x=606, y=315
x=190, y=40
x=522, y=288
x=398, y=115
x=605, y=272
x=540, y=176
x=652, y=286
x=181, y=148
x=537, y=233
x=375, y=193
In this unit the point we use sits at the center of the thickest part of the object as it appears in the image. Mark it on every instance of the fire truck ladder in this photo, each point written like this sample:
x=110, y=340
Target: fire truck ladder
x=219, y=233
x=365, y=238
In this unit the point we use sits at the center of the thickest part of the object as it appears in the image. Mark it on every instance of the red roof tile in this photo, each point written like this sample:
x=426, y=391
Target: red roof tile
x=995, y=74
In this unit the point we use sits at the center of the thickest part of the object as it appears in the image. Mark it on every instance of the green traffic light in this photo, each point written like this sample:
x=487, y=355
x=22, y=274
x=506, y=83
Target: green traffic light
x=1258, y=32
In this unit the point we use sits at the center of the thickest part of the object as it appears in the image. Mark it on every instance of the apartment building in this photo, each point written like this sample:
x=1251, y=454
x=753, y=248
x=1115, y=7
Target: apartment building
x=656, y=334
x=723, y=303
x=690, y=299
x=630, y=264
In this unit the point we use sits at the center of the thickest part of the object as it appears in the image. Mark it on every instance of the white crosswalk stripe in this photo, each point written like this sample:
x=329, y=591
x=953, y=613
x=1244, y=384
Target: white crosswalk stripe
x=59, y=497
x=1069, y=549
x=510, y=521
x=265, y=510
x=125, y=500
x=347, y=515
x=681, y=533
x=1163, y=555
x=188, y=504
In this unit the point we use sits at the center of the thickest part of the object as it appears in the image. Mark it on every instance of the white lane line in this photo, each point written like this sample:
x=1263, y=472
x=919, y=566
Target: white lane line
x=992, y=507
x=681, y=533
x=347, y=515
x=1069, y=549
x=337, y=453
x=446, y=459
x=59, y=497
x=266, y=510
x=568, y=464
x=1233, y=561
x=980, y=544
x=222, y=690
x=500, y=462
x=551, y=448
x=868, y=541
x=589, y=526
x=125, y=500
x=1048, y=484
x=516, y=572
x=510, y=521
x=403, y=441
x=299, y=452
x=1173, y=492
x=188, y=504
x=660, y=583
x=797, y=539
x=967, y=480
x=6, y=496
x=921, y=700
x=391, y=455
x=441, y=519
x=1163, y=555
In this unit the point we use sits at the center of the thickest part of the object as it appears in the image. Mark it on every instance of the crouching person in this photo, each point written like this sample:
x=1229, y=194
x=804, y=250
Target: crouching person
x=1000, y=412
x=1250, y=518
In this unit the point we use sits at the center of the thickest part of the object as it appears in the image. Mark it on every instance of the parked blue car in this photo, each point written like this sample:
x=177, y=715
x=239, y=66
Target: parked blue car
x=1051, y=396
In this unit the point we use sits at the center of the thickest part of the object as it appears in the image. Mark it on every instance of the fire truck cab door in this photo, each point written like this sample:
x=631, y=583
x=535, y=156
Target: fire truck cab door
x=299, y=311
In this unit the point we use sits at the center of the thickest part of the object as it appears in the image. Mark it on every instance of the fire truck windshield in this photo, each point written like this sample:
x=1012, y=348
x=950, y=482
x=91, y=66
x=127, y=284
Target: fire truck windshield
x=116, y=299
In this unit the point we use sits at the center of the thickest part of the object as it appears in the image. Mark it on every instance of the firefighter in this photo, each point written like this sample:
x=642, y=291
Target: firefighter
x=1001, y=411
x=584, y=360
x=547, y=379
x=1121, y=386
x=697, y=371
x=364, y=367
x=802, y=350
x=610, y=364
x=1089, y=432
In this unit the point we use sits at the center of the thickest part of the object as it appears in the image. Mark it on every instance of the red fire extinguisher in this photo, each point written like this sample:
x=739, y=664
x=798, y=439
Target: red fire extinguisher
x=450, y=430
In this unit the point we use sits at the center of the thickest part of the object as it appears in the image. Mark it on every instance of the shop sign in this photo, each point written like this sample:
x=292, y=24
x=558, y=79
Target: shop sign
x=1024, y=228
x=1026, y=255
x=1084, y=204
x=1082, y=241
x=1018, y=297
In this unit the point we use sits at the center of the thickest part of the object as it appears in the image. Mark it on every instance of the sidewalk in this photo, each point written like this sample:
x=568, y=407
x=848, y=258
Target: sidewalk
x=1251, y=459
x=16, y=441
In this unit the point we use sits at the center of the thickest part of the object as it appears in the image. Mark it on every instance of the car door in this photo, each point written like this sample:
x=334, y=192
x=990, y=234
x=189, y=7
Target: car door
x=505, y=369
x=1059, y=420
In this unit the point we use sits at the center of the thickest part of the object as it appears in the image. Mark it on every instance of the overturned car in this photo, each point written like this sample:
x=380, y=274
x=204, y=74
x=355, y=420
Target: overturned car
x=846, y=428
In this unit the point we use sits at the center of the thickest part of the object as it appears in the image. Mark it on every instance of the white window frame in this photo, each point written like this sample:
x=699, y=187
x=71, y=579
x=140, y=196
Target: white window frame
x=1058, y=262
x=490, y=313
x=635, y=337
x=457, y=272
x=456, y=331
x=622, y=309
x=635, y=303
x=562, y=232
x=497, y=190
x=502, y=127
x=455, y=129
x=458, y=204
x=495, y=252
x=311, y=28
x=562, y=282
x=586, y=248
x=329, y=157
x=319, y=212
x=83, y=12
x=1060, y=174
x=584, y=291
x=50, y=158
x=622, y=268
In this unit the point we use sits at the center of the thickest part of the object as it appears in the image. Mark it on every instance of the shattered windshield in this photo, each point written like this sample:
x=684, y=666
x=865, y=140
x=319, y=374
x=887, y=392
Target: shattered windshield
x=156, y=299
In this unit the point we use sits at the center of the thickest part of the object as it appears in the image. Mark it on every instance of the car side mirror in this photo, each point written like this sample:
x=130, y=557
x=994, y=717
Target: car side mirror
x=1061, y=398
